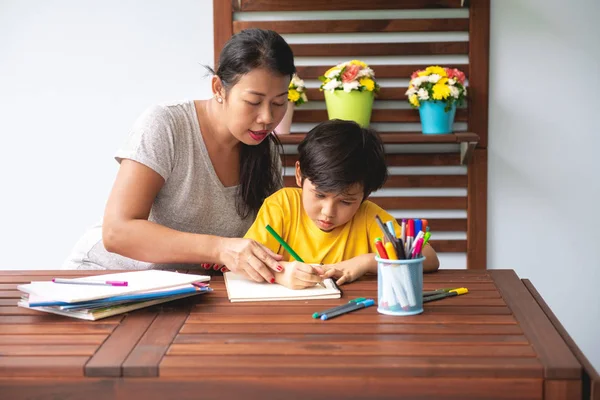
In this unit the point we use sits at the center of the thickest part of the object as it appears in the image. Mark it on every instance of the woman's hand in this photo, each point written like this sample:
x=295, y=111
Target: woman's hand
x=250, y=258
x=297, y=275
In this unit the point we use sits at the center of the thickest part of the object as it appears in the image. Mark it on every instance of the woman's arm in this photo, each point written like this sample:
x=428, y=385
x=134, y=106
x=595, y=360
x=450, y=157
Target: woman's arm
x=127, y=231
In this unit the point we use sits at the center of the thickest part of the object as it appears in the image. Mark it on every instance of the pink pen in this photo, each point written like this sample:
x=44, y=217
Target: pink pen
x=90, y=282
x=418, y=247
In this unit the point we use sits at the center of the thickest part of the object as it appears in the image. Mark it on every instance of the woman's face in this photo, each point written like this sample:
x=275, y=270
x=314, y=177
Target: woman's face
x=255, y=105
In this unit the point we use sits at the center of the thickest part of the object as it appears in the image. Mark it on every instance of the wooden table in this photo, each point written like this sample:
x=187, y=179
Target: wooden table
x=500, y=341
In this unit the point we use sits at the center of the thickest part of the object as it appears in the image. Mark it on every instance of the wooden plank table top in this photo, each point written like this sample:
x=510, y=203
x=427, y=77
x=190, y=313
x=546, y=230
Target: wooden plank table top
x=500, y=341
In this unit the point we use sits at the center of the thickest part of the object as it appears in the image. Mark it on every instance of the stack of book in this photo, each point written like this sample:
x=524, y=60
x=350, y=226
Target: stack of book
x=100, y=296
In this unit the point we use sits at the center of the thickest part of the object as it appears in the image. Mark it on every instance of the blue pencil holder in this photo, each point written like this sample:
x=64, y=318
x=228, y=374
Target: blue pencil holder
x=434, y=119
x=400, y=286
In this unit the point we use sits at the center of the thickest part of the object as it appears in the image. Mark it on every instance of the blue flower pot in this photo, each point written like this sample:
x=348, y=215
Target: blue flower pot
x=434, y=120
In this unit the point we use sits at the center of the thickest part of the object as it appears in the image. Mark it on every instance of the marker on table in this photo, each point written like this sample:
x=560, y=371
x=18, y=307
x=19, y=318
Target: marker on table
x=451, y=293
x=357, y=300
x=437, y=291
x=90, y=282
x=287, y=247
x=353, y=307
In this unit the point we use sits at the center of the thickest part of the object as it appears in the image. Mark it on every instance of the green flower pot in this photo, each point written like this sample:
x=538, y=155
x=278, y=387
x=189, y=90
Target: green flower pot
x=351, y=106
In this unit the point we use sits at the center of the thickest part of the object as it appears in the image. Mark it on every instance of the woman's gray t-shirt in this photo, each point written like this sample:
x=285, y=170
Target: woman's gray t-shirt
x=167, y=139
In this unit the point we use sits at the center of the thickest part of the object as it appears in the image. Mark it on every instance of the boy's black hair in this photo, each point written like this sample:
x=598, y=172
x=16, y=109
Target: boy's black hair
x=337, y=154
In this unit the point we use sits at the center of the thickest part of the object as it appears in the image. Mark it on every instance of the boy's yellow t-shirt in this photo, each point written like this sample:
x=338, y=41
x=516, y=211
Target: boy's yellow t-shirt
x=283, y=211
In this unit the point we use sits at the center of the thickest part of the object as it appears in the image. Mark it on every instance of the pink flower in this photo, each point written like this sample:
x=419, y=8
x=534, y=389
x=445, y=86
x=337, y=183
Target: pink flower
x=456, y=74
x=414, y=75
x=350, y=73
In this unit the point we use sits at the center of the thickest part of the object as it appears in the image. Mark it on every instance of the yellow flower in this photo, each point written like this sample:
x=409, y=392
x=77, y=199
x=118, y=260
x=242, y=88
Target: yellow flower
x=442, y=81
x=359, y=63
x=293, y=95
x=414, y=100
x=436, y=70
x=367, y=83
x=424, y=73
x=440, y=92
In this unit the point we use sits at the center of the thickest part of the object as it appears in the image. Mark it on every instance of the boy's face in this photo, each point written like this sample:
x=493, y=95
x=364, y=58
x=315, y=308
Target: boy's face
x=329, y=210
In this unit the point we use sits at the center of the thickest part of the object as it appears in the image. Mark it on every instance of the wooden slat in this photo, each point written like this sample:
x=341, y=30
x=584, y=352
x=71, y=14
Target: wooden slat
x=479, y=55
x=145, y=357
x=592, y=390
x=110, y=356
x=402, y=138
x=359, y=25
x=351, y=366
x=426, y=181
x=40, y=366
x=557, y=359
x=562, y=390
x=336, y=5
x=56, y=329
x=411, y=181
x=420, y=203
x=368, y=316
x=401, y=349
x=445, y=224
x=401, y=71
x=53, y=349
x=248, y=339
x=385, y=115
x=52, y=339
x=233, y=383
x=358, y=328
x=380, y=49
x=385, y=93
x=397, y=160
x=222, y=28
x=477, y=210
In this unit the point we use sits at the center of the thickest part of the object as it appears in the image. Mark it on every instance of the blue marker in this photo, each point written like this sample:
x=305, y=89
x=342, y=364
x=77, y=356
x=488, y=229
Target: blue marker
x=354, y=307
x=418, y=226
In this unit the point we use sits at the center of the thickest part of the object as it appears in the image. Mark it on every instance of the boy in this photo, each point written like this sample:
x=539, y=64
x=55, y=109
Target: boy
x=328, y=221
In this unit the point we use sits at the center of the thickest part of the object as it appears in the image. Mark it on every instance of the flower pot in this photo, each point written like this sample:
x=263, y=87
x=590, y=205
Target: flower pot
x=351, y=106
x=284, y=126
x=434, y=119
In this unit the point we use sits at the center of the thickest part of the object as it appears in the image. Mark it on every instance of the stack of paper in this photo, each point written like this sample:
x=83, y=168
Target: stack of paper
x=91, y=301
x=241, y=289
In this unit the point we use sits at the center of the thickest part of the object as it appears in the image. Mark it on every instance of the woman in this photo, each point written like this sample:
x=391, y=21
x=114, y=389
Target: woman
x=193, y=174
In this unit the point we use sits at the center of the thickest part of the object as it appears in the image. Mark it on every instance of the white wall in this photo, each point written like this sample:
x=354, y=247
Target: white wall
x=74, y=75
x=543, y=217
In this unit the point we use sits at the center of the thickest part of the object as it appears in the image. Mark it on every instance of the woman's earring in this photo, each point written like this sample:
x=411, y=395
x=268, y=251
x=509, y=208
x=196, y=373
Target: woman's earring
x=219, y=99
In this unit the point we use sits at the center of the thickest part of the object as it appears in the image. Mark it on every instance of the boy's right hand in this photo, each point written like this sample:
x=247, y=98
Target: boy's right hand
x=297, y=275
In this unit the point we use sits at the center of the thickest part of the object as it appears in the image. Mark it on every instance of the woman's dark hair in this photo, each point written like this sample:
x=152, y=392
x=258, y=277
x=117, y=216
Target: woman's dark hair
x=244, y=52
x=337, y=154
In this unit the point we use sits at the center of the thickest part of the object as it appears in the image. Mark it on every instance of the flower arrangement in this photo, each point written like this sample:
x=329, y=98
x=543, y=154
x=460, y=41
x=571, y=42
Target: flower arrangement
x=348, y=76
x=297, y=91
x=437, y=83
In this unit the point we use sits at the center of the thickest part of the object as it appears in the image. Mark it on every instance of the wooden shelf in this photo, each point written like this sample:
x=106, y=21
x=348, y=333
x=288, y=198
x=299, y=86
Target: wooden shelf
x=467, y=140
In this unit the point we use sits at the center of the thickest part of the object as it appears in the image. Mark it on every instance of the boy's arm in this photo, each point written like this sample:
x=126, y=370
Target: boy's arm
x=431, y=263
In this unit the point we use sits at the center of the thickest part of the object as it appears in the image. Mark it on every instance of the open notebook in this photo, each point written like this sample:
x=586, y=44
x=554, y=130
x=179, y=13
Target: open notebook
x=241, y=289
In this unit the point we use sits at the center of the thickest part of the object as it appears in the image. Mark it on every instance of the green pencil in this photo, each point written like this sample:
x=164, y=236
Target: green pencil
x=287, y=247
x=284, y=244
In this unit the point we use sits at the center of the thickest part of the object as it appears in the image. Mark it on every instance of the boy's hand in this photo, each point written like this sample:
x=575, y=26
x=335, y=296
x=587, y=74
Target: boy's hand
x=297, y=275
x=344, y=273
